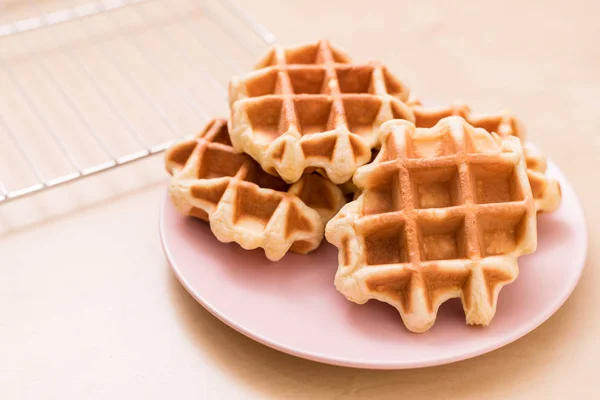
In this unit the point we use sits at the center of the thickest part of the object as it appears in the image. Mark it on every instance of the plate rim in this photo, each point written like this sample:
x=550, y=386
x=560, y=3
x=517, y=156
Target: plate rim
x=389, y=365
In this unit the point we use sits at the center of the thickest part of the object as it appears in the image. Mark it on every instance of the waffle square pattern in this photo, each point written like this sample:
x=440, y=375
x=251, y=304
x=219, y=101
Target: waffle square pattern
x=244, y=204
x=546, y=191
x=309, y=108
x=443, y=212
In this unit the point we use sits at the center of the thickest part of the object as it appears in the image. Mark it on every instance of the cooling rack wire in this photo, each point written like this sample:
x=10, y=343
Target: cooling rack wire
x=88, y=87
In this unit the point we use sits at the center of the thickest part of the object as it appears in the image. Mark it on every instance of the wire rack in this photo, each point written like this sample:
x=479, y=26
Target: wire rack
x=88, y=87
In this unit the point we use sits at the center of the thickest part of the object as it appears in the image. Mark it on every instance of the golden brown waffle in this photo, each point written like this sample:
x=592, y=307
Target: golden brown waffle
x=444, y=212
x=243, y=203
x=546, y=191
x=309, y=108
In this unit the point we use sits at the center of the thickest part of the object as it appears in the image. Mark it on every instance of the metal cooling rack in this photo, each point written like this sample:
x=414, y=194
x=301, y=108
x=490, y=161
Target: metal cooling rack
x=88, y=87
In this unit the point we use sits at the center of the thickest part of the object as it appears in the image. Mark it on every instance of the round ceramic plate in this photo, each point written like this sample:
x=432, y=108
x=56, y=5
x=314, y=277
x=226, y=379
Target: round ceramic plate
x=292, y=305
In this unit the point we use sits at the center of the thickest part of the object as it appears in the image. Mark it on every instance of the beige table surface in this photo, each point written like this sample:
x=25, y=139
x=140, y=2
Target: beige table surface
x=90, y=309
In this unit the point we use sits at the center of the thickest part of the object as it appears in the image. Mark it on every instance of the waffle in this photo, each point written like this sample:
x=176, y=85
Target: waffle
x=546, y=191
x=309, y=108
x=444, y=212
x=243, y=203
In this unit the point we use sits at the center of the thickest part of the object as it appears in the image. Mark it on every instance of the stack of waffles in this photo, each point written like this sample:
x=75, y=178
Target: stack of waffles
x=424, y=204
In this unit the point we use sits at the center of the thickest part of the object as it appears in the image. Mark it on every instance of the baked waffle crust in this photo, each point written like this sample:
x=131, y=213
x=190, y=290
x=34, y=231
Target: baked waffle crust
x=309, y=108
x=546, y=191
x=444, y=212
x=243, y=203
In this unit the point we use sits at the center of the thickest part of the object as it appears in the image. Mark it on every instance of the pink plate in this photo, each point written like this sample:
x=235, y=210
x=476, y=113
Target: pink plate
x=293, y=306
